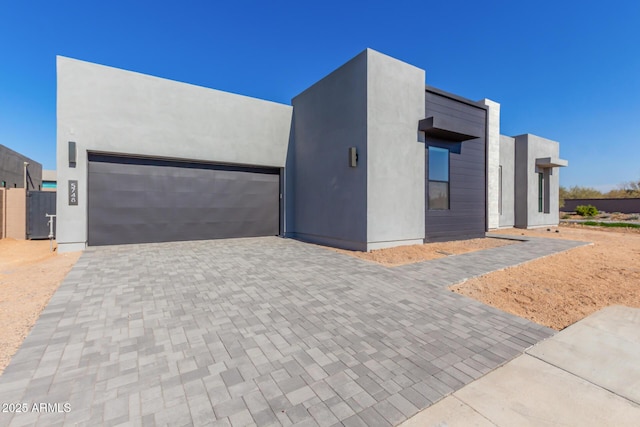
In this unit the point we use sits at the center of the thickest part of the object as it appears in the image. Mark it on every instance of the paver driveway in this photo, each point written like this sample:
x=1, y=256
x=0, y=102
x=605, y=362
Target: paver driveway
x=264, y=331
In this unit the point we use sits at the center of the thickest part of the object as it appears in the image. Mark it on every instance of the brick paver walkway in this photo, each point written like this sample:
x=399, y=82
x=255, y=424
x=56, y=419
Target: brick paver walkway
x=263, y=331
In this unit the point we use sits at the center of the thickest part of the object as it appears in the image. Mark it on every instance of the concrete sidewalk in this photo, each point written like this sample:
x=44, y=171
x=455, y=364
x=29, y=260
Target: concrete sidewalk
x=586, y=375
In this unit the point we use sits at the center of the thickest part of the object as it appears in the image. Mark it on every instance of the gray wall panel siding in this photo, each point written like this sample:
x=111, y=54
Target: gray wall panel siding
x=507, y=162
x=437, y=104
x=103, y=109
x=145, y=200
x=331, y=197
x=466, y=217
x=628, y=206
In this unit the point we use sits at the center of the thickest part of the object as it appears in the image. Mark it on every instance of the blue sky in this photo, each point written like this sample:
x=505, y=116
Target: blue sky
x=564, y=70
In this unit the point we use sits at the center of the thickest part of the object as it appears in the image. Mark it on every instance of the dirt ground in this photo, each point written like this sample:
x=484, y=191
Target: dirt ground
x=29, y=275
x=555, y=291
x=603, y=216
x=561, y=289
x=393, y=257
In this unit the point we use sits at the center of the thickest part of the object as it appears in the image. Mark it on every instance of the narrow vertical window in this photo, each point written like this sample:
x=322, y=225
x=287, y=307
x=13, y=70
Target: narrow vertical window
x=540, y=192
x=500, y=190
x=438, y=178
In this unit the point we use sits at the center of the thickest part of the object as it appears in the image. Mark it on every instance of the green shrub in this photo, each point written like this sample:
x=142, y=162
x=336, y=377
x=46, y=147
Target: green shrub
x=588, y=210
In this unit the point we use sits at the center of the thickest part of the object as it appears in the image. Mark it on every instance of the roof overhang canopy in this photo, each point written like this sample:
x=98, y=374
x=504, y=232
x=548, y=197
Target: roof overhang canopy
x=551, y=162
x=448, y=130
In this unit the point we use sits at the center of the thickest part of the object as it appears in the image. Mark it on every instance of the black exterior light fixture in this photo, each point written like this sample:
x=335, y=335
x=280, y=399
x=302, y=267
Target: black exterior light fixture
x=72, y=154
x=353, y=157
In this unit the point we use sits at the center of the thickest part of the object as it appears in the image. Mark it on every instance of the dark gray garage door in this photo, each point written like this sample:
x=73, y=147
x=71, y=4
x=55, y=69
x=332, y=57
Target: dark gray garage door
x=135, y=200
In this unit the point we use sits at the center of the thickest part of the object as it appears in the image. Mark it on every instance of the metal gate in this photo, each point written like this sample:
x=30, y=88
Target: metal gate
x=39, y=204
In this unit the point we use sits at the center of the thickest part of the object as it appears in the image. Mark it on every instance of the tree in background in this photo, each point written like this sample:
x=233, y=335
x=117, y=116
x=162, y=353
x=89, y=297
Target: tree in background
x=627, y=190
x=577, y=192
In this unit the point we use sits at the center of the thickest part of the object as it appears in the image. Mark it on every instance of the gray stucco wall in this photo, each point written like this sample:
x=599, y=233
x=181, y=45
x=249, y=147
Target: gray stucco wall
x=507, y=162
x=12, y=169
x=105, y=109
x=373, y=103
x=466, y=217
x=395, y=152
x=331, y=197
x=493, y=162
x=528, y=149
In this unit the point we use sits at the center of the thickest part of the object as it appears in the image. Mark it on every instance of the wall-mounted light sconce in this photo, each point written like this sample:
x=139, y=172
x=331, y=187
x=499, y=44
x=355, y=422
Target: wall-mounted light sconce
x=353, y=157
x=72, y=154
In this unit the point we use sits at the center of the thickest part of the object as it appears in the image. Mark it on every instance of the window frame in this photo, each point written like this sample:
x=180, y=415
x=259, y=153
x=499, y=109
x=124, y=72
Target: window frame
x=500, y=190
x=540, y=192
x=429, y=180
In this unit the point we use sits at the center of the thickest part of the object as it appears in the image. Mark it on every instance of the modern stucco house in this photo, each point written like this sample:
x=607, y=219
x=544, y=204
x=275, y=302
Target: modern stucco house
x=368, y=157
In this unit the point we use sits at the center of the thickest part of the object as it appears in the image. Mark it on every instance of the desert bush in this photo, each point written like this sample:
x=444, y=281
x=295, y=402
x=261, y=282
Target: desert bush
x=588, y=210
x=577, y=192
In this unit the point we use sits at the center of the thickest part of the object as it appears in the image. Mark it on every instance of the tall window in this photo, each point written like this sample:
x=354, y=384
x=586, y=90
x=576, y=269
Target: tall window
x=540, y=192
x=500, y=190
x=438, y=178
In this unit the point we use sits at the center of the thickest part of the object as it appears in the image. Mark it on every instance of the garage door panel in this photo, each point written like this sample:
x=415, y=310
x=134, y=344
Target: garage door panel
x=146, y=200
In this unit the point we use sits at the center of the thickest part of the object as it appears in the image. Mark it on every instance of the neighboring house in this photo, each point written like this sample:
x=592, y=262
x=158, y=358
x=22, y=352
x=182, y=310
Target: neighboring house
x=16, y=169
x=366, y=158
x=49, y=180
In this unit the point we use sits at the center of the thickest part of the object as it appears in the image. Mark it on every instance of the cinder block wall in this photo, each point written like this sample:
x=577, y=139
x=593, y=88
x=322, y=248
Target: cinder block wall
x=3, y=194
x=16, y=211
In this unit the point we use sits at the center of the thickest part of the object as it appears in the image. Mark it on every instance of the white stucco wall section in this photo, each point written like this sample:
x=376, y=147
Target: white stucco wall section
x=507, y=161
x=109, y=110
x=493, y=162
x=528, y=148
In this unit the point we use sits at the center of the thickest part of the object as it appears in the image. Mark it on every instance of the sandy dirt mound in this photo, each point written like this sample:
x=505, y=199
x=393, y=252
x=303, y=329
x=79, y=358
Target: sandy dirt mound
x=393, y=257
x=559, y=290
x=29, y=275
